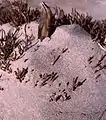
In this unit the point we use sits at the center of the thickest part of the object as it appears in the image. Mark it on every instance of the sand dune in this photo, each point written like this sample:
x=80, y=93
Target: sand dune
x=60, y=80
x=31, y=100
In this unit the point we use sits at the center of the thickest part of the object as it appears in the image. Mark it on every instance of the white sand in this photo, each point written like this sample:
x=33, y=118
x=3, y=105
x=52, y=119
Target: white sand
x=23, y=101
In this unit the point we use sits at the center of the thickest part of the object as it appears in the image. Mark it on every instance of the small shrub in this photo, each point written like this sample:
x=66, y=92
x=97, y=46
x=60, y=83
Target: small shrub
x=17, y=13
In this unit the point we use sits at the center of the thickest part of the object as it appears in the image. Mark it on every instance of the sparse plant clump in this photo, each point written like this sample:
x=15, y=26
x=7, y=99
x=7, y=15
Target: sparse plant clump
x=48, y=78
x=95, y=28
x=20, y=74
x=60, y=17
x=17, y=13
x=62, y=95
x=77, y=83
x=8, y=42
x=5, y=66
x=11, y=48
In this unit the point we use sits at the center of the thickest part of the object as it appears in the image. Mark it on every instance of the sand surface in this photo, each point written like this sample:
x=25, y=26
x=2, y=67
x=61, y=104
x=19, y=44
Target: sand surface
x=26, y=101
x=30, y=100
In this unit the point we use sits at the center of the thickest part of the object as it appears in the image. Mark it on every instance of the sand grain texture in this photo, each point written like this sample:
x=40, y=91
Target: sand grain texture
x=30, y=100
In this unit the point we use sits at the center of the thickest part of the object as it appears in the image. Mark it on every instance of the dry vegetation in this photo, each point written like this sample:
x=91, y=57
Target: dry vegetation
x=17, y=13
x=12, y=48
x=20, y=74
x=48, y=78
x=96, y=28
x=8, y=42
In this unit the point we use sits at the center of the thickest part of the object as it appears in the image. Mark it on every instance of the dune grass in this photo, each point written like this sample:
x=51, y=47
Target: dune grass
x=17, y=13
x=96, y=28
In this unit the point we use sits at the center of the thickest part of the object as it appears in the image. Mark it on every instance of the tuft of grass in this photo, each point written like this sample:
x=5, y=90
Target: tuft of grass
x=17, y=13
x=12, y=48
x=20, y=74
x=47, y=78
x=60, y=18
x=96, y=28
x=8, y=43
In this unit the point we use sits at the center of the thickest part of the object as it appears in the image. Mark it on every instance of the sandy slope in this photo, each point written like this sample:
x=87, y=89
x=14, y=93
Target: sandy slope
x=25, y=101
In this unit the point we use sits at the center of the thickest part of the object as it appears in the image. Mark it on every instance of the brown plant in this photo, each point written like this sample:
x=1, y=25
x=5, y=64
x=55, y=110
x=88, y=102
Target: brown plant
x=17, y=13
x=20, y=74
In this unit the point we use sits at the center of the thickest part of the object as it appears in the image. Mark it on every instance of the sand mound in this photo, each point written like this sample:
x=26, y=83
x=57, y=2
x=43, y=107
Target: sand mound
x=57, y=79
